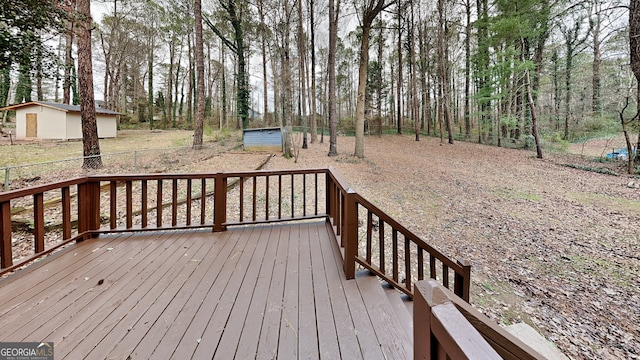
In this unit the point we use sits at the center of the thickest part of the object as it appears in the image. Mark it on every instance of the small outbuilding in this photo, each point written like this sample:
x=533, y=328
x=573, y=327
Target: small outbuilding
x=49, y=120
x=264, y=139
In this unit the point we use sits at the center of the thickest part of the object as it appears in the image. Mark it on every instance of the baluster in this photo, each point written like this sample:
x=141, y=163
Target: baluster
x=394, y=240
x=113, y=213
x=189, y=189
x=254, y=204
x=38, y=222
x=292, y=198
x=369, y=235
x=432, y=267
x=381, y=244
x=316, y=194
x=445, y=275
x=407, y=263
x=174, y=202
x=66, y=213
x=159, y=205
x=304, y=194
x=241, y=199
x=129, y=204
x=266, y=202
x=420, y=264
x=203, y=200
x=144, y=205
x=279, y=196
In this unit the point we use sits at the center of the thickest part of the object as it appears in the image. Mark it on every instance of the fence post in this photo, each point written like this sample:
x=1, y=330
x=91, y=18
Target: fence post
x=220, y=203
x=7, y=177
x=6, y=252
x=350, y=234
x=462, y=282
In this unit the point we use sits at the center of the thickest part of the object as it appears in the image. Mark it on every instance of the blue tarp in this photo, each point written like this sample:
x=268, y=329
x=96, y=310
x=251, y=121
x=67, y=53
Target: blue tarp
x=621, y=154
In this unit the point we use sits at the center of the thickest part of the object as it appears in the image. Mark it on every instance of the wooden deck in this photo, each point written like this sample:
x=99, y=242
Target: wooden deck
x=265, y=292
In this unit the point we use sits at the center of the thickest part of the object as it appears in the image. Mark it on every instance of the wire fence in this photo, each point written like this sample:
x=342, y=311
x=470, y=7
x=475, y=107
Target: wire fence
x=136, y=161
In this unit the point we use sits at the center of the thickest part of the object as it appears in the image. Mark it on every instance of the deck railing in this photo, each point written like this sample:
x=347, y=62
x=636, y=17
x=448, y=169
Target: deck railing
x=84, y=207
x=379, y=243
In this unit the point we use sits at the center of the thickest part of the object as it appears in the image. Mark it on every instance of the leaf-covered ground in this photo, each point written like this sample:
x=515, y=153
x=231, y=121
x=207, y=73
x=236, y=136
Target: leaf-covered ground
x=553, y=246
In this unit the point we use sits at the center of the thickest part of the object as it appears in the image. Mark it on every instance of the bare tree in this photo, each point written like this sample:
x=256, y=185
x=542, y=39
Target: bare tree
x=90, y=141
x=199, y=123
x=334, y=13
x=369, y=11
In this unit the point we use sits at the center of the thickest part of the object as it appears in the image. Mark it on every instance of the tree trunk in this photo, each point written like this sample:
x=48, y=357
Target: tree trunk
x=399, y=77
x=90, y=141
x=334, y=13
x=362, y=84
x=313, y=112
x=199, y=123
x=467, y=72
x=68, y=64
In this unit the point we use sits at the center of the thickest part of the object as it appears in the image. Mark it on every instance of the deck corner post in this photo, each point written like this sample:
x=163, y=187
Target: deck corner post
x=350, y=234
x=462, y=282
x=6, y=252
x=220, y=203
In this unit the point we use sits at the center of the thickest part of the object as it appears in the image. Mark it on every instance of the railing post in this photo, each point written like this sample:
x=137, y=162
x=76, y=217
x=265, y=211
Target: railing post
x=6, y=252
x=462, y=282
x=350, y=234
x=88, y=206
x=220, y=203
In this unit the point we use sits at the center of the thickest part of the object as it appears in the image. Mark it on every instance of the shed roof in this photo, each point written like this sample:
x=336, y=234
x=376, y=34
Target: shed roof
x=58, y=106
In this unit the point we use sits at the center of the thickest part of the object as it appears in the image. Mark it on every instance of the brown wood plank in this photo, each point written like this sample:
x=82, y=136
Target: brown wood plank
x=202, y=315
x=270, y=330
x=394, y=341
x=234, y=305
x=347, y=340
x=95, y=319
x=6, y=258
x=307, y=322
x=327, y=336
x=248, y=343
x=289, y=331
x=167, y=331
x=135, y=324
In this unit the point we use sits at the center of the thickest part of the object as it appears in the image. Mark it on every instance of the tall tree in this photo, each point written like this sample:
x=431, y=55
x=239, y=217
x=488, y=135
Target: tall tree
x=334, y=13
x=199, y=123
x=233, y=14
x=90, y=141
x=634, y=42
x=575, y=37
x=369, y=10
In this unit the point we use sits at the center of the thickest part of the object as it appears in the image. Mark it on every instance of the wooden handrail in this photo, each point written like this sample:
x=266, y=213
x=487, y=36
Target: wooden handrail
x=341, y=206
x=440, y=331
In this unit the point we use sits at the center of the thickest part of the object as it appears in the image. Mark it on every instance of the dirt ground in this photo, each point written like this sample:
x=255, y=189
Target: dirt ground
x=553, y=246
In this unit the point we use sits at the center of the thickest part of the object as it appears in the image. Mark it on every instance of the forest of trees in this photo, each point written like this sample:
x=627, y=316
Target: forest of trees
x=500, y=72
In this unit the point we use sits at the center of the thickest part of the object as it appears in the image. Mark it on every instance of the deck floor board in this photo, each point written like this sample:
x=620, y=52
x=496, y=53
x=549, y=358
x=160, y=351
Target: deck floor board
x=264, y=292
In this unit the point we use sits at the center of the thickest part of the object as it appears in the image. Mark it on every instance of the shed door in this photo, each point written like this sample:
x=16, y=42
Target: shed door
x=32, y=125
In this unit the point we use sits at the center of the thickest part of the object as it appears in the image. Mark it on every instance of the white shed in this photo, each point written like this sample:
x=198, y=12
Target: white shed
x=49, y=120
